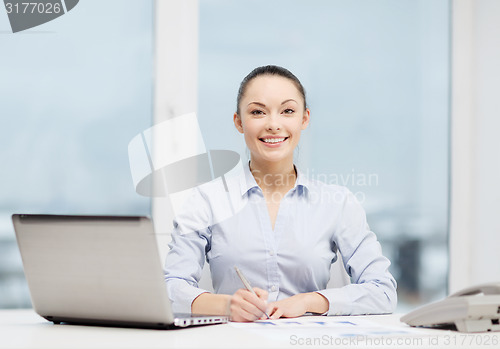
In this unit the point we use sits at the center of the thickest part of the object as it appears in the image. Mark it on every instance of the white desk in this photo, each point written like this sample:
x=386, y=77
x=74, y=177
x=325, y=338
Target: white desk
x=25, y=329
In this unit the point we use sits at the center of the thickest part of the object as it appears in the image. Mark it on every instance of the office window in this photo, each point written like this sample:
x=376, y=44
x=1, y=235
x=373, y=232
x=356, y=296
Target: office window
x=74, y=92
x=377, y=78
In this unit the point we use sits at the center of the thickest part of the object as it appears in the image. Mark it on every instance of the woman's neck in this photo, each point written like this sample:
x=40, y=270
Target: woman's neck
x=273, y=177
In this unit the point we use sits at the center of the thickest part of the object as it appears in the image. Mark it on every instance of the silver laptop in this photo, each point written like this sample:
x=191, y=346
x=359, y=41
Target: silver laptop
x=97, y=270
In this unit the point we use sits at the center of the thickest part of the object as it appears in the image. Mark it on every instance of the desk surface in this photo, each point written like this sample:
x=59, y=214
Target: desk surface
x=25, y=329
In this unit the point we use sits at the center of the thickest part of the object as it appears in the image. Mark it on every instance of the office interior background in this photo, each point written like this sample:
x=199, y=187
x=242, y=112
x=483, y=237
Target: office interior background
x=402, y=93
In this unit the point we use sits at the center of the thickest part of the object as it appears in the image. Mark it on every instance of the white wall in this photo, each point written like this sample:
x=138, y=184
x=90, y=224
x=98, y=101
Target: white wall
x=175, y=83
x=475, y=192
x=176, y=91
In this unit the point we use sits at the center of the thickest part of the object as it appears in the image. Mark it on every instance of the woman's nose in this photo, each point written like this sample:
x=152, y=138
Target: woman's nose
x=273, y=122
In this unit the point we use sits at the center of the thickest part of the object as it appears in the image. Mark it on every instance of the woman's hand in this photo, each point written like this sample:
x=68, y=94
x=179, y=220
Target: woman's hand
x=298, y=305
x=290, y=307
x=244, y=306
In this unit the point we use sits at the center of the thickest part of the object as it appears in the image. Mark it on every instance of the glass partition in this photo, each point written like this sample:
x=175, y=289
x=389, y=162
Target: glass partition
x=74, y=91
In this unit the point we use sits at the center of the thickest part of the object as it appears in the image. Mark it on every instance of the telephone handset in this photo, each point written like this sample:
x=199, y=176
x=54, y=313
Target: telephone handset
x=486, y=289
x=473, y=309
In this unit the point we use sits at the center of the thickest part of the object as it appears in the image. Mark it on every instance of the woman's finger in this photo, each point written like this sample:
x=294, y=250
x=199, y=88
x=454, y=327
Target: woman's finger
x=243, y=307
x=262, y=294
x=257, y=302
x=278, y=312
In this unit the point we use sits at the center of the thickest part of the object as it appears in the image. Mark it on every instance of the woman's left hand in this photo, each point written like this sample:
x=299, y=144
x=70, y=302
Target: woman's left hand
x=290, y=307
x=297, y=305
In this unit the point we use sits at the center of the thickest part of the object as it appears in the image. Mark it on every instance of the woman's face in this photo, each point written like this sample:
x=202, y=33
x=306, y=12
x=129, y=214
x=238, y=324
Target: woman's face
x=272, y=116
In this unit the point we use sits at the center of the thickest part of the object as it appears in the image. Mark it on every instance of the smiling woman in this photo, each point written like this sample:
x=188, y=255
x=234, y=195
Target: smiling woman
x=284, y=237
x=272, y=114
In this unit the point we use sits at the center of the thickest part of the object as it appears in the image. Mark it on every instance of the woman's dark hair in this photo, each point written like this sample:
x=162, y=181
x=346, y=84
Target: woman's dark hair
x=269, y=70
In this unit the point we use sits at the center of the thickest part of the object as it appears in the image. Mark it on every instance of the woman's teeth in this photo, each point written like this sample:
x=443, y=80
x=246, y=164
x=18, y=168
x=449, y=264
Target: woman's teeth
x=273, y=140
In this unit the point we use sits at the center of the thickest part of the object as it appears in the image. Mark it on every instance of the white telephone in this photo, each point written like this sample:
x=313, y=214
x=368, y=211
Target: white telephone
x=474, y=309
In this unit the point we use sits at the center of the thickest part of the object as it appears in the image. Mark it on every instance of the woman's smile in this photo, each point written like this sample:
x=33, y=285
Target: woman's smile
x=273, y=141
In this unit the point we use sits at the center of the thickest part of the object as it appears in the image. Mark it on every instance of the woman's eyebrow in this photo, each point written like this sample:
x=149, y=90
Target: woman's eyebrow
x=285, y=101
x=258, y=103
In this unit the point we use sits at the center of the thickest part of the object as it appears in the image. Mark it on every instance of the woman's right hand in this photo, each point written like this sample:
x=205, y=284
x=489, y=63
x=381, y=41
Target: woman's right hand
x=244, y=306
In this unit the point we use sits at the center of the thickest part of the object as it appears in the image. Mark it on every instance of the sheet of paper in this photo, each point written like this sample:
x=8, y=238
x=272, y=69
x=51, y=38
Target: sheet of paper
x=325, y=330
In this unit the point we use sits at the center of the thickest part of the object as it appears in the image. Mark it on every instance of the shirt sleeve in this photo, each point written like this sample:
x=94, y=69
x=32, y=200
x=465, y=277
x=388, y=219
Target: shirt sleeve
x=184, y=263
x=374, y=288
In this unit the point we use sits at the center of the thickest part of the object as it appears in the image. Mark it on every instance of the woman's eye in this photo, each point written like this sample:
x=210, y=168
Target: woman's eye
x=288, y=111
x=257, y=112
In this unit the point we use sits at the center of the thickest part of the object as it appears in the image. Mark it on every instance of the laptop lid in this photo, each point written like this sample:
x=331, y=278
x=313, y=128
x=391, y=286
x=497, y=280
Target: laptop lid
x=95, y=269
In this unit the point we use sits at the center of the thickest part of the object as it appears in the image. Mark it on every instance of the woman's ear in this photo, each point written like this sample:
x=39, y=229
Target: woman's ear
x=237, y=122
x=306, y=118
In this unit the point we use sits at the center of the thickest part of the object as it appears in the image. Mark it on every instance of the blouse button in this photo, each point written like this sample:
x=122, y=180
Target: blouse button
x=271, y=253
x=273, y=288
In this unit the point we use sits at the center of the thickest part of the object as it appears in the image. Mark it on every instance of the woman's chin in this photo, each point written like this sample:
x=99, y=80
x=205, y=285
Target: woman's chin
x=274, y=158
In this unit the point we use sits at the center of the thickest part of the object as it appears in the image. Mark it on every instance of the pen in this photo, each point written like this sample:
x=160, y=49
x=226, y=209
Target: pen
x=247, y=284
